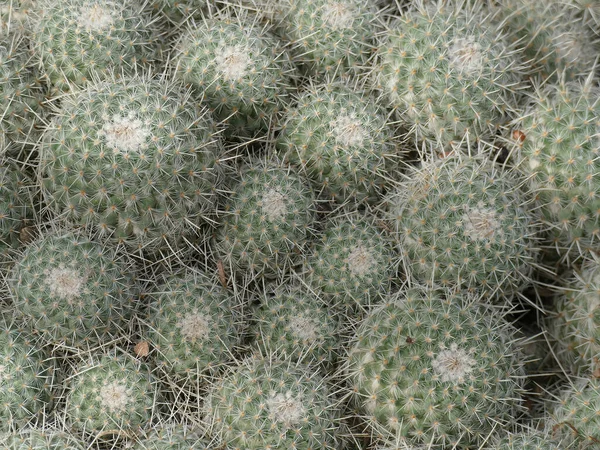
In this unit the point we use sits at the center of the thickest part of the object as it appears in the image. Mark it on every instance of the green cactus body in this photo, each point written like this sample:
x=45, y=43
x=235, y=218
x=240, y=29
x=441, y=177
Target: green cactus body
x=38, y=439
x=462, y=222
x=574, y=322
x=330, y=37
x=17, y=204
x=294, y=324
x=77, y=40
x=273, y=404
x=21, y=93
x=555, y=41
x=15, y=16
x=341, y=140
x=434, y=371
x=267, y=220
x=560, y=156
x=185, y=314
x=448, y=73
x=240, y=70
x=110, y=396
x=72, y=291
x=576, y=418
x=26, y=379
x=135, y=159
x=179, y=11
x=352, y=264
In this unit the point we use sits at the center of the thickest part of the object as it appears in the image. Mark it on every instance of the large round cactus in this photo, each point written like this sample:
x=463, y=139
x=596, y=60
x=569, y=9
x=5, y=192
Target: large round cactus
x=72, y=291
x=240, y=70
x=185, y=314
x=341, y=140
x=463, y=222
x=274, y=404
x=134, y=158
x=111, y=396
x=434, y=370
x=267, y=220
x=76, y=40
x=448, y=72
x=26, y=379
x=559, y=154
x=353, y=263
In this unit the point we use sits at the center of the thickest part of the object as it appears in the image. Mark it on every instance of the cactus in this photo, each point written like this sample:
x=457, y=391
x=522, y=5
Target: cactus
x=171, y=437
x=273, y=404
x=330, y=37
x=40, y=439
x=267, y=220
x=352, y=264
x=238, y=68
x=529, y=440
x=109, y=397
x=21, y=93
x=72, y=291
x=185, y=314
x=15, y=17
x=434, y=370
x=574, y=321
x=179, y=11
x=559, y=154
x=293, y=324
x=448, y=72
x=463, y=222
x=341, y=140
x=554, y=39
x=79, y=39
x=26, y=379
x=575, y=417
x=134, y=158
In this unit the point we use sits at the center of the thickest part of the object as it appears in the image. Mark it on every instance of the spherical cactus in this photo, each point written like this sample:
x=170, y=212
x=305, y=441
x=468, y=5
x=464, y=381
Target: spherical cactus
x=574, y=321
x=330, y=37
x=554, y=39
x=352, y=264
x=21, y=93
x=135, y=159
x=41, y=439
x=434, y=370
x=576, y=418
x=273, y=404
x=448, y=72
x=72, y=291
x=267, y=220
x=109, y=397
x=463, y=222
x=17, y=205
x=185, y=314
x=559, y=154
x=293, y=324
x=341, y=140
x=79, y=39
x=240, y=70
x=26, y=379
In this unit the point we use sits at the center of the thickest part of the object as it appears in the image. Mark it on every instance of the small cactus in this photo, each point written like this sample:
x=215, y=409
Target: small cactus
x=79, y=39
x=267, y=220
x=273, y=404
x=448, y=72
x=238, y=68
x=341, y=140
x=72, y=291
x=41, y=439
